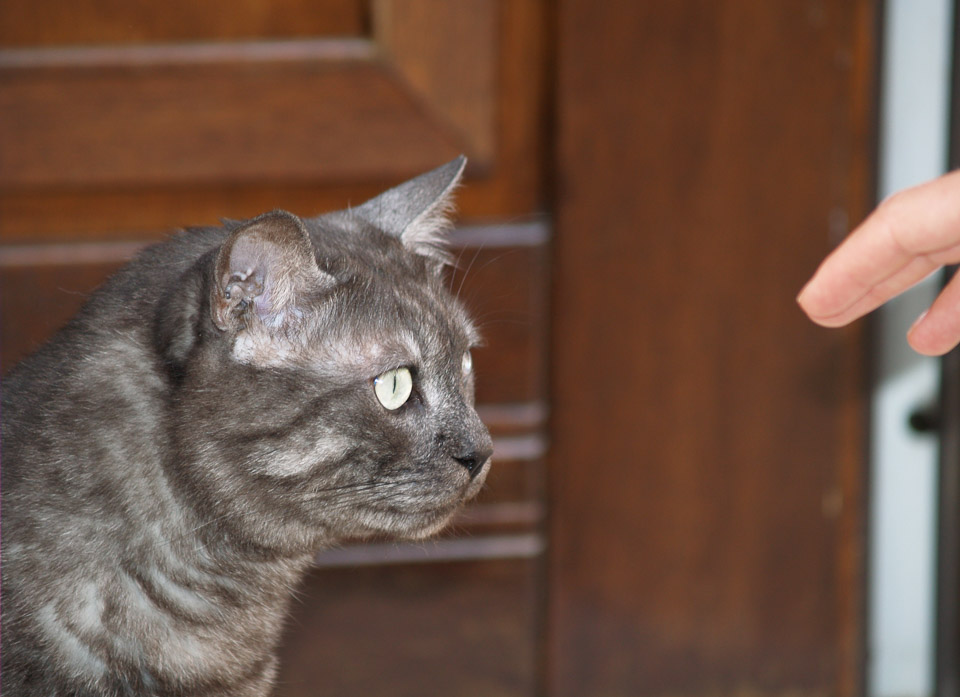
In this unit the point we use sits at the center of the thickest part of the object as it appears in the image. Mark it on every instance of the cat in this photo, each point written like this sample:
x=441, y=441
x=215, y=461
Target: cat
x=230, y=402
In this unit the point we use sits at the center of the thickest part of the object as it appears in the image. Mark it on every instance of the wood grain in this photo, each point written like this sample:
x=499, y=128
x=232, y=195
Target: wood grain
x=505, y=287
x=318, y=109
x=507, y=186
x=707, y=441
x=99, y=22
x=175, y=119
x=437, y=629
x=460, y=81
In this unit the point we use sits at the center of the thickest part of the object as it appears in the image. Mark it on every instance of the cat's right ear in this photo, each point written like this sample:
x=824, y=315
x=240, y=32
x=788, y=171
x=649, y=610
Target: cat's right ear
x=263, y=273
x=416, y=211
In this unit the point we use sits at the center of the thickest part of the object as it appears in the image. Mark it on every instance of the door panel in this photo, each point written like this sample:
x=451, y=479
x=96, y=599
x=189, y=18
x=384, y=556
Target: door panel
x=107, y=138
x=313, y=109
x=707, y=460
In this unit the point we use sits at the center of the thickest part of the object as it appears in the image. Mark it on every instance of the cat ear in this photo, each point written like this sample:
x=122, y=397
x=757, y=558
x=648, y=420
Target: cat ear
x=416, y=211
x=263, y=271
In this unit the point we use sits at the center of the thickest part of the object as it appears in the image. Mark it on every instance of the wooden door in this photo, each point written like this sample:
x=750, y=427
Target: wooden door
x=707, y=441
x=676, y=168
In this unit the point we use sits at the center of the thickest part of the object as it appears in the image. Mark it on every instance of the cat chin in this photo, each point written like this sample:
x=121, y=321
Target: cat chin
x=432, y=529
x=408, y=526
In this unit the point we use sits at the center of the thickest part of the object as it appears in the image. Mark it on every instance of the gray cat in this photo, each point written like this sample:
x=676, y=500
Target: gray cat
x=231, y=401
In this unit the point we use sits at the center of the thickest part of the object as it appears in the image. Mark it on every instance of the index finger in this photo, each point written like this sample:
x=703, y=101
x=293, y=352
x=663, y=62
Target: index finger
x=910, y=235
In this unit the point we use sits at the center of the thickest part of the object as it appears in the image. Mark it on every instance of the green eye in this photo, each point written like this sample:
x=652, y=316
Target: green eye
x=393, y=387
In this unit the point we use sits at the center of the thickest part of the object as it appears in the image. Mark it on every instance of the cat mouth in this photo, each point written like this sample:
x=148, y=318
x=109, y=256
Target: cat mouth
x=476, y=483
x=411, y=524
x=420, y=511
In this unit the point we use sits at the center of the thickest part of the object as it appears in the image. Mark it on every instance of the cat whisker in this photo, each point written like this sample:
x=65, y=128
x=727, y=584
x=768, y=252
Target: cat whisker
x=463, y=277
x=455, y=265
x=383, y=491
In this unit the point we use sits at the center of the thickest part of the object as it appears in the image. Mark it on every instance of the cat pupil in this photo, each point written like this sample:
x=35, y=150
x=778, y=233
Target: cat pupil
x=393, y=387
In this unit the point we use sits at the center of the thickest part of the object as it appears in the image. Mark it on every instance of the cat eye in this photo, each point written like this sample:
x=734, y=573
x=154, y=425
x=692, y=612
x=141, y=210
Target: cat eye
x=467, y=362
x=393, y=387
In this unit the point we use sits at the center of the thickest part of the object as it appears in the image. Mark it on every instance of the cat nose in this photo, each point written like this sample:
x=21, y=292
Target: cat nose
x=474, y=460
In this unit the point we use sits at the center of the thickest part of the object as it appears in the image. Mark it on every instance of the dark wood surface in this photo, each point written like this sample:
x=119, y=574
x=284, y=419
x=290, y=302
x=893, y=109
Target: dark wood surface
x=53, y=120
x=127, y=139
x=458, y=628
x=24, y=23
x=241, y=112
x=706, y=499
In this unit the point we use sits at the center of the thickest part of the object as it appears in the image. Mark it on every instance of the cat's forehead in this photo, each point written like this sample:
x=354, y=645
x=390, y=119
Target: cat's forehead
x=377, y=269
x=367, y=333
x=375, y=322
x=416, y=312
x=347, y=245
x=381, y=305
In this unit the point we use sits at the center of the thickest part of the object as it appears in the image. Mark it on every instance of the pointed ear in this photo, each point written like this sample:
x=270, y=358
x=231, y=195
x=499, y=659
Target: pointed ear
x=416, y=211
x=263, y=271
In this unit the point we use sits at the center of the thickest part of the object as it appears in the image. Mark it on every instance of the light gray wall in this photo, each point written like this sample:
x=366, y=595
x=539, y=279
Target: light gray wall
x=913, y=149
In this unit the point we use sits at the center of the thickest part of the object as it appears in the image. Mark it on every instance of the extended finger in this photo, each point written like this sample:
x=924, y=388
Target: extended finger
x=907, y=237
x=824, y=310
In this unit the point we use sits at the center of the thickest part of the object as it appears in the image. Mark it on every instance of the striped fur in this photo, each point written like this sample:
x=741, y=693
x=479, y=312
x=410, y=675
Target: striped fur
x=176, y=455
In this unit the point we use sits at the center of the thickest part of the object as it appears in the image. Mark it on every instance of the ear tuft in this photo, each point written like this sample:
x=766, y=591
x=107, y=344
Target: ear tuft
x=263, y=272
x=418, y=210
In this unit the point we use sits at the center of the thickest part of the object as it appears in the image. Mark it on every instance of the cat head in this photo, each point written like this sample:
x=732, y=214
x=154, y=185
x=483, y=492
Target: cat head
x=331, y=394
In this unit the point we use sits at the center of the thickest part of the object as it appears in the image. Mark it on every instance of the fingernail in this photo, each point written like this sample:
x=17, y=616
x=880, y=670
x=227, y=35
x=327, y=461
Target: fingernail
x=917, y=321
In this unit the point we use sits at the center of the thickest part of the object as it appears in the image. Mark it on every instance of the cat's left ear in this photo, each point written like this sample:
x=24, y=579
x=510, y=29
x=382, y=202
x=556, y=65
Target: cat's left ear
x=263, y=272
x=416, y=211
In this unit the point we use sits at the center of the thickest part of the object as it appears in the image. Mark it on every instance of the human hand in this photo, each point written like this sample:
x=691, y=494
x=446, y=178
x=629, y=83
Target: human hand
x=909, y=236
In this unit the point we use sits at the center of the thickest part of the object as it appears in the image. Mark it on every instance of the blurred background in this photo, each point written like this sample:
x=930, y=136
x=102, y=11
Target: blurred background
x=696, y=491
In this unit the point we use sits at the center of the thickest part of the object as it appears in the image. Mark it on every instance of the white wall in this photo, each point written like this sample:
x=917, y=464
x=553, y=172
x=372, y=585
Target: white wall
x=913, y=148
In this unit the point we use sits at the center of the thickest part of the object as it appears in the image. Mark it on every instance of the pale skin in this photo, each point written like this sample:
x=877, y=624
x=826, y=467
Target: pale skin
x=909, y=236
